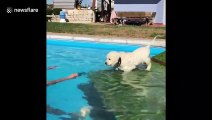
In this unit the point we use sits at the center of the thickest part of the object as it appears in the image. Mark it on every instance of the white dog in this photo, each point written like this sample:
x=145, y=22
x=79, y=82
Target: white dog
x=127, y=61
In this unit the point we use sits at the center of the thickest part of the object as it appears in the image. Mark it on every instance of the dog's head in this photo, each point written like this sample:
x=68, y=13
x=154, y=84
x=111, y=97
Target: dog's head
x=113, y=59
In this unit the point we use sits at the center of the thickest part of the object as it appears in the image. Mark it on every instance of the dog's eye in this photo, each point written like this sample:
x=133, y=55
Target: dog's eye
x=108, y=58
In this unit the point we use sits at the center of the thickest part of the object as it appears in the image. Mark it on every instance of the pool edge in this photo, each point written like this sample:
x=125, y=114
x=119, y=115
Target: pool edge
x=157, y=43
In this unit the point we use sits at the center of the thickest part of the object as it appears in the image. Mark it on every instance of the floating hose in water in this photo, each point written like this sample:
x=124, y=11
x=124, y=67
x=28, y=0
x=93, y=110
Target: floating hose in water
x=72, y=76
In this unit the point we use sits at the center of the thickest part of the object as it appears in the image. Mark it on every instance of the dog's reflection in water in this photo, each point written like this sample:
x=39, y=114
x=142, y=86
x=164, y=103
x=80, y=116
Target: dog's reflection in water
x=84, y=111
x=136, y=79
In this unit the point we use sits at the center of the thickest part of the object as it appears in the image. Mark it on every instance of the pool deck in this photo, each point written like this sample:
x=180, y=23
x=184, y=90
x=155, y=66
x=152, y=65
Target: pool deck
x=158, y=42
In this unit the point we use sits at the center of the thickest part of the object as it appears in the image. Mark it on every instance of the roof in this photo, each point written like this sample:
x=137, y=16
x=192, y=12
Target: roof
x=64, y=4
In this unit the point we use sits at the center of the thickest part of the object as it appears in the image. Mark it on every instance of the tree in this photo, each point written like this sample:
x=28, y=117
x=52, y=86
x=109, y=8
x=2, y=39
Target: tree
x=105, y=14
x=78, y=3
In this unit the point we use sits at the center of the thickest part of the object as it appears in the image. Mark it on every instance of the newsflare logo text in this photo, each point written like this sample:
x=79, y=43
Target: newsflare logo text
x=21, y=10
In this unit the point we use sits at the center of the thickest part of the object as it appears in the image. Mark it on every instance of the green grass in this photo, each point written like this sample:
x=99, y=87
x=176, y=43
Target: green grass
x=127, y=31
x=161, y=57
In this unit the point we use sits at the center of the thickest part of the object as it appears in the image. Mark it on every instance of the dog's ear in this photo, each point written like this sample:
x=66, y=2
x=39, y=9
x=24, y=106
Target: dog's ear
x=119, y=61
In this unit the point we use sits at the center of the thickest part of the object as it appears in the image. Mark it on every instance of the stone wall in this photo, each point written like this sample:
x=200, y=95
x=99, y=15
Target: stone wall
x=77, y=16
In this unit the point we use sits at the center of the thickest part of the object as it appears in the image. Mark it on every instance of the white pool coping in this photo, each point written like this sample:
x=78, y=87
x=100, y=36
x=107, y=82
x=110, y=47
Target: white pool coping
x=158, y=43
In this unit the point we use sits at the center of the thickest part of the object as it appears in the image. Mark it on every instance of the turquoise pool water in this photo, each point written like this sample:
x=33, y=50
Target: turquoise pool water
x=65, y=99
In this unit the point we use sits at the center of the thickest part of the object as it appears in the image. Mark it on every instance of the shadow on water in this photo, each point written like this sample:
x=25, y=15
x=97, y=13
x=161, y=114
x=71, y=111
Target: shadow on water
x=137, y=95
x=98, y=111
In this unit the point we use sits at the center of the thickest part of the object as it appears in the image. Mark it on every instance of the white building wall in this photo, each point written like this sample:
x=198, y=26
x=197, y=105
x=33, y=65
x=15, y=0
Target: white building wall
x=161, y=13
x=159, y=8
x=135, y=7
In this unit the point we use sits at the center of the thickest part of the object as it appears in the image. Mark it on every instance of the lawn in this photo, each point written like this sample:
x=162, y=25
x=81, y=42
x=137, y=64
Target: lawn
x=127, y=31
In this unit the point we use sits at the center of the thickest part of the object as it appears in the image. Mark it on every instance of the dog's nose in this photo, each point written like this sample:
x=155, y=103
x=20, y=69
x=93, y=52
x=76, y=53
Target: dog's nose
x=105, y=63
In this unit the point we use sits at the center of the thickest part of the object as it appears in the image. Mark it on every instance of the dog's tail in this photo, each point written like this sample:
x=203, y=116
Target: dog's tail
x=152, y=41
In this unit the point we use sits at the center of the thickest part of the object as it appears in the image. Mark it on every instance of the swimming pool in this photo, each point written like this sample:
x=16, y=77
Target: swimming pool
x=65, y=99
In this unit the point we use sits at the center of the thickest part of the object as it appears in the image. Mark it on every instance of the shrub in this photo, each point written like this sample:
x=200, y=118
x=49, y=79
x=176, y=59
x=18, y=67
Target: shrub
x=49, y=11
x=56, y=11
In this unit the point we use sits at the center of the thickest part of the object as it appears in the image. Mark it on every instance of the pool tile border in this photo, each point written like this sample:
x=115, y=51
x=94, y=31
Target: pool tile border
x=158, y=43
